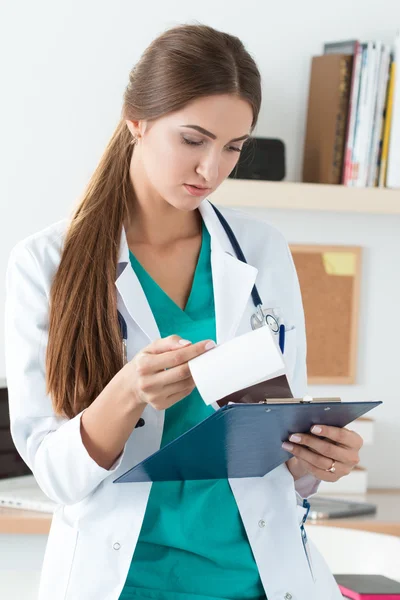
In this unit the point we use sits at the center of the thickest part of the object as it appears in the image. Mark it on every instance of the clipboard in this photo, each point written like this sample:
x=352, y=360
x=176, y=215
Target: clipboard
x=242, y=440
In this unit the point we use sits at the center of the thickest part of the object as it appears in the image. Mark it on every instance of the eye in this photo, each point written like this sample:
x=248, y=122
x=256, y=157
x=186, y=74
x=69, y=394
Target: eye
x=191, y=142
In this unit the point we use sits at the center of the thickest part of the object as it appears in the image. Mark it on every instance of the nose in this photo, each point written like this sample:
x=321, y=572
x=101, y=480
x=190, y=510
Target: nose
x=208, y=168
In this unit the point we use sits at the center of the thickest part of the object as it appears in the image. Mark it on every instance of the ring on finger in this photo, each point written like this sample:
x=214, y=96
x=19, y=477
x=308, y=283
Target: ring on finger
x=332, y=468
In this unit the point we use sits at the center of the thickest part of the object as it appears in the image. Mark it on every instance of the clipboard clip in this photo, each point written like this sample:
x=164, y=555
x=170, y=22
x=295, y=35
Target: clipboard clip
x=305, y=400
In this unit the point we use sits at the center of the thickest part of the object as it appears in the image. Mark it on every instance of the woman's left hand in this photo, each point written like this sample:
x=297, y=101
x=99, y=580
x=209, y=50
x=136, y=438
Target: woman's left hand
x=316, y=452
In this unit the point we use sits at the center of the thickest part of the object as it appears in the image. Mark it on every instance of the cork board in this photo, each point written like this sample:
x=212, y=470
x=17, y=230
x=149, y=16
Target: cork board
x=329, y=279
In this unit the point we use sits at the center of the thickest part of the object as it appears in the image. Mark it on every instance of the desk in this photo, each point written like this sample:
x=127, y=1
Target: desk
x=14, y=520
x=386, y=520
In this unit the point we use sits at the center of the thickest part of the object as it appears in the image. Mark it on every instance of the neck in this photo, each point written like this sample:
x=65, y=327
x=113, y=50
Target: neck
x=152, y=220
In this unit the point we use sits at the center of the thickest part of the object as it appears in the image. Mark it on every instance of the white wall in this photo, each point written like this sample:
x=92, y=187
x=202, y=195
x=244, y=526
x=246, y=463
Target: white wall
x=64, y=68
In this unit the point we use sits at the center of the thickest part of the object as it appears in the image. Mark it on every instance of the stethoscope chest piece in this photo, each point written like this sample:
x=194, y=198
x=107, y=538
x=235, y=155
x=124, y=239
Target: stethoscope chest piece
x=264, y=317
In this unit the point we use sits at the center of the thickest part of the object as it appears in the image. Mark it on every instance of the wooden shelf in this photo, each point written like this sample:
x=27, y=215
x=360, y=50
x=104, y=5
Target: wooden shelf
x=243, y=193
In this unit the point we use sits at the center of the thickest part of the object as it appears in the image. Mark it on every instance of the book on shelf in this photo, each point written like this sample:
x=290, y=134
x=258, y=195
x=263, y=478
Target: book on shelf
x=326, y=118
x=379, y=116
x=365, y=147
x=393, y=165
x=360, y=117
x=386, y=127
x=341, y=47
x=372, y=75
x=352, y=111
x=374, y=67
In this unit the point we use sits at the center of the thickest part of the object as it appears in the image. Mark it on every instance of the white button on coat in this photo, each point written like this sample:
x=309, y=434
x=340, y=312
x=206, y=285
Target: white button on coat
x=93, y=510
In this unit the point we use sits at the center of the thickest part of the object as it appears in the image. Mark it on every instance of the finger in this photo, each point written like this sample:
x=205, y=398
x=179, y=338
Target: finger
x=162, y=396
x=173, y=376
x=173, y=398
x=161, y=385
x=326, y=448
x=321, y=473
x=171, y=342
x=341, y=435
x=175, y=358
x=181, y=389
x=320, y=462
x=151, y=360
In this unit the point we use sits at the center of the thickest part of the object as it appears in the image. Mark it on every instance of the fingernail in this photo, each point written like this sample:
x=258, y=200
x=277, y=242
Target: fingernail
x=287, y=446
x=295, y=438
x=210, y=345
x=316, y=429
x=184, y=342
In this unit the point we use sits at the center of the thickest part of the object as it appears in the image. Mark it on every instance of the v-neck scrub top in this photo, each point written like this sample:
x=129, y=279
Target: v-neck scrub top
x=192, y=545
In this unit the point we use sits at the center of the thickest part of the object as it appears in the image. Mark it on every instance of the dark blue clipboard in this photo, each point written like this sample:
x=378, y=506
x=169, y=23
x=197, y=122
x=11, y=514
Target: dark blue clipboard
x=240, y=440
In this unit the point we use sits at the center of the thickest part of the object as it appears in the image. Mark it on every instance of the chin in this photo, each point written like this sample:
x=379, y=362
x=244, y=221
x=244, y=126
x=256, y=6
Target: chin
x=186, y=204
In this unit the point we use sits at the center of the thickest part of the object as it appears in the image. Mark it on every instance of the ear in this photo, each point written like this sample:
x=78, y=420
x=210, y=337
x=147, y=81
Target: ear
x=133, y=127
x=137, y=128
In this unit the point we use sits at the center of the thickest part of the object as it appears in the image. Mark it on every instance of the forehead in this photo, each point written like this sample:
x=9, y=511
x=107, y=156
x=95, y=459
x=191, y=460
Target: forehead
x=224, y=115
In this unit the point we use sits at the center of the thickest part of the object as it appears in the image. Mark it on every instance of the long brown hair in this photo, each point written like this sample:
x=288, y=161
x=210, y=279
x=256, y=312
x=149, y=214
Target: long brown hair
x=84, y=343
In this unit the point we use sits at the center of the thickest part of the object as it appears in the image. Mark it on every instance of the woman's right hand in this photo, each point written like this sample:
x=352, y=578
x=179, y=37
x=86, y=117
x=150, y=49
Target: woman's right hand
x=159, y=374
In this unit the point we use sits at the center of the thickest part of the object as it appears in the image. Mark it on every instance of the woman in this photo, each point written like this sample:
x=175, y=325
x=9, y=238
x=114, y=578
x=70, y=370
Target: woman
x=145, y=242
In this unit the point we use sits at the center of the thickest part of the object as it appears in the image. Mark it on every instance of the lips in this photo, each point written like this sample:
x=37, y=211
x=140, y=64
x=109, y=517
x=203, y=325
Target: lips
x=196, y=190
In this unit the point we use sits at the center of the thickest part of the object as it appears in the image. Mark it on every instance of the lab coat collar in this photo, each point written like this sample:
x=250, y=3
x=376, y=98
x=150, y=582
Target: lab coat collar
x=232, y=279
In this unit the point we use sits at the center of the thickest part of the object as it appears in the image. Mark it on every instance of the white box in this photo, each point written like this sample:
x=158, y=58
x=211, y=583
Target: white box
x=364, y=426
x=356, y=482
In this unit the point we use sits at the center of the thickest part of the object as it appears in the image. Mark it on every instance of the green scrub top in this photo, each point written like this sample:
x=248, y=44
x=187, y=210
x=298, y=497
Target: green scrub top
x=192, y=545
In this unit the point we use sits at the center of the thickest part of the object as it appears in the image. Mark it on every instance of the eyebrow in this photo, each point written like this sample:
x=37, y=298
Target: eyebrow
x=212, y=135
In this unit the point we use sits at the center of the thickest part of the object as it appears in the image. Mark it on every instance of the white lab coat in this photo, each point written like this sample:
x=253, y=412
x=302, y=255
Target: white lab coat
x=97, y=523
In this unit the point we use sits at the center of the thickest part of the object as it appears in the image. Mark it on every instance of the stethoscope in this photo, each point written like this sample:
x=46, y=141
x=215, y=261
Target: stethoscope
x=262, y=316
x=259, y=319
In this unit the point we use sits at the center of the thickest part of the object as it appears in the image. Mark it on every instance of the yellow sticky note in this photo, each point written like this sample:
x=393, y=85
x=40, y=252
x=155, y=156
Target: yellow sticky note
x=339, y=263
